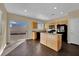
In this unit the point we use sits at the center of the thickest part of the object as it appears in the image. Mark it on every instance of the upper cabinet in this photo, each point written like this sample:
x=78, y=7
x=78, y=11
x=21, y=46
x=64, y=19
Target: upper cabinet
x=34, y=25
x=38, y=25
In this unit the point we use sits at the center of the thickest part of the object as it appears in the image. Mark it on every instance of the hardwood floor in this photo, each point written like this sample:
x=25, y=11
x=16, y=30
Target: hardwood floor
x=34, y=48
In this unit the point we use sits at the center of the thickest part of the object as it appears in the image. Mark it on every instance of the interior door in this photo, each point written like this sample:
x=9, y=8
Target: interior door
x=73, y=31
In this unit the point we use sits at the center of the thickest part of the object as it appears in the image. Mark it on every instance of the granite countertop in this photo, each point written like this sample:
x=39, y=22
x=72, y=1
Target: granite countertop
x=51, y=33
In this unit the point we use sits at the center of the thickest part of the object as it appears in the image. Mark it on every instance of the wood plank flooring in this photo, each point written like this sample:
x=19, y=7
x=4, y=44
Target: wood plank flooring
x=34, y=48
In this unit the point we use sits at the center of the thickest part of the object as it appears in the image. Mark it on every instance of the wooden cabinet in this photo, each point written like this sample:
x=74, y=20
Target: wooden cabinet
x=34, y=25
x=43, y=38
x=52, y=41
x=34, y=35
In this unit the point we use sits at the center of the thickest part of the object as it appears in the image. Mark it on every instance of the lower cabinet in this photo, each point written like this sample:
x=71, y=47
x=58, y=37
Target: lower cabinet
x=43, y=38
x=52, y=41
x=34, y=35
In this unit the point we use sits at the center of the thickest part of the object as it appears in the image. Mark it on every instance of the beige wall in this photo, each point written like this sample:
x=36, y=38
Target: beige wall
x=3, y=36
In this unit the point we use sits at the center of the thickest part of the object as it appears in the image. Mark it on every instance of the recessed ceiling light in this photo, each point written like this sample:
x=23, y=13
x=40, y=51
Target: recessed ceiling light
x=61, y=12
x=55, y=7
x=25, y=10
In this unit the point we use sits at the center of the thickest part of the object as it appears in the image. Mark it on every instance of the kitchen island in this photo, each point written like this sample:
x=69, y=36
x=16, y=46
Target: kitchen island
x=53, y=41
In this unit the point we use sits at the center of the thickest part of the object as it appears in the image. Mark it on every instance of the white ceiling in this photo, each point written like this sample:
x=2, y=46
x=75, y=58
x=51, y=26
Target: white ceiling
x=43, y=11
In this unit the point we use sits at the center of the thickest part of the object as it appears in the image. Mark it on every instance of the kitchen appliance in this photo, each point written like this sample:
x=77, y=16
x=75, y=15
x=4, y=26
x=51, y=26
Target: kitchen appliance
x=62, y=29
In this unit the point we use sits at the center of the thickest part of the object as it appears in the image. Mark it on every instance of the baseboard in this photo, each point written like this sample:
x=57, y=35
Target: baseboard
x=2, y=49
x=73, y=43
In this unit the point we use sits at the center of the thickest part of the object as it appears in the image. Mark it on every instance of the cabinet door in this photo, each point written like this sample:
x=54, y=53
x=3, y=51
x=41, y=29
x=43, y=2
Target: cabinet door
x=52, y=42
x=43, y=38
x=34, y=35
x=34, y=25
